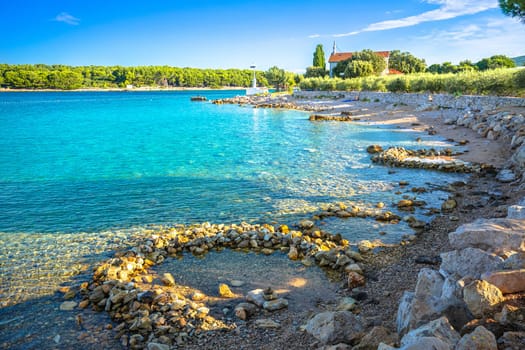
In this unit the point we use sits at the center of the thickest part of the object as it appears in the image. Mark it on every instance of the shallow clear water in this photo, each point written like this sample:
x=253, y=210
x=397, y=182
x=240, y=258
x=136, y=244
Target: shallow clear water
x=91, y=161
x=84, y=173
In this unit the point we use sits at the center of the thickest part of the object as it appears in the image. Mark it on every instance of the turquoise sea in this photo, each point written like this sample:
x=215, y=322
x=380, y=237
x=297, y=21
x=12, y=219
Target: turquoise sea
x=90, y=161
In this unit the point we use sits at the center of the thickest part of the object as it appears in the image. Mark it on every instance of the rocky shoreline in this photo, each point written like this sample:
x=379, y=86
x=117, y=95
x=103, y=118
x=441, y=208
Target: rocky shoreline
x=474, y=297
x=457, y=283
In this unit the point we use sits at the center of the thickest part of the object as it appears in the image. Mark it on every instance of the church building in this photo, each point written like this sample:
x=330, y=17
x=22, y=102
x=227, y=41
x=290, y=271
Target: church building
x=337, y=57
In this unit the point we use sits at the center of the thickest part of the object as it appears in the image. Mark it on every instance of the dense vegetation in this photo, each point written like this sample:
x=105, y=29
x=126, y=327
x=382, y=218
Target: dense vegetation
x=509, y=82
x=40, y=76
x=361, y=64
x=405, y=62
x=280, y=79
x=493, y=62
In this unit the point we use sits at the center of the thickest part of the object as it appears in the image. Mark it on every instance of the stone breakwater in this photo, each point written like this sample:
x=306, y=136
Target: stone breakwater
x=279, y=101
x=153, y=311
x=427, y=159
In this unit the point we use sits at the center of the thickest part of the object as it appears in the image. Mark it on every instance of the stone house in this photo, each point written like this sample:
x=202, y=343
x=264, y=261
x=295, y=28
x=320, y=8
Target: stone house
x=337, y=57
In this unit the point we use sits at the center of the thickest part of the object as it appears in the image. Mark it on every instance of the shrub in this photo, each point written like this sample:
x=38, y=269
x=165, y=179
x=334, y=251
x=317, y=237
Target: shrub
x=315, y=72
x=492, y=82
x=519, y=78
x=398, y=85
x=379, y=85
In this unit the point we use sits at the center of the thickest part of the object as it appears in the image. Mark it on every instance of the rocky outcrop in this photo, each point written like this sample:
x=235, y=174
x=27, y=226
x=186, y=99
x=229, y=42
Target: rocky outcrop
x=482, y=298
x=468, y=262
x=488, y=263
x=427, y=159
x=512, y=281
x=331, y=117
x=494, y=235
x=335, y=327
x=439, y=328
x=480, y=339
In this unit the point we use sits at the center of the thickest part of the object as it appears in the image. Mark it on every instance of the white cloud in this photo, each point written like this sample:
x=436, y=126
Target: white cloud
x=313, y=36
x=471, y=41
x=448, y=9
x=346, y=34
x=67, y=18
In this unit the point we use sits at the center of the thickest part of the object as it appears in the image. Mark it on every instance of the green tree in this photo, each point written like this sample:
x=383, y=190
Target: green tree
x=315, y=72
x=358, y=68
x=434, y=68
x=448, y=67
x=319, y=57
x=378, y=63
x=466, y=66
x=513, y=8
x=406, y=62
x=276, y=77
x=496, y=61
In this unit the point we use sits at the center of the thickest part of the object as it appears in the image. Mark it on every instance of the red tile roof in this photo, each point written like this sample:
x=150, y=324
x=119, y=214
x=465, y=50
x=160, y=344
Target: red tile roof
x=343, y=56
x=394, y=71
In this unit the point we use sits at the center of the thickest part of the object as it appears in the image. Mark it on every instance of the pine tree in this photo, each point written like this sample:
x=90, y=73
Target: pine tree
x=513, y=8
x=319, y=60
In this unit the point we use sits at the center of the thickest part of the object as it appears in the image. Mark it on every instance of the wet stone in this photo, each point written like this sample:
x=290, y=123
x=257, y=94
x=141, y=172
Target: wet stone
x=276, y=304
x=225, y=292
x=68, y=305
x=168, y=279
x=266, y=323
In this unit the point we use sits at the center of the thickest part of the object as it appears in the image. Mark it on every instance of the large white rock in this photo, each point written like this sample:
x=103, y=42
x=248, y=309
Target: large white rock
x=452, y=290
x=432, y=298
x=335, y=327
x=482, y=298
x=439, y=328
x=425, y=304
x=494, y=235
x=429, y=283
x=480, y=339
x=468, y=262
x=511, y=281
x=404, y=313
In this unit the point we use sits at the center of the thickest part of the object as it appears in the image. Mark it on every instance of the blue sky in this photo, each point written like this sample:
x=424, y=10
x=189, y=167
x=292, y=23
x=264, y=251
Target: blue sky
x=236, y=34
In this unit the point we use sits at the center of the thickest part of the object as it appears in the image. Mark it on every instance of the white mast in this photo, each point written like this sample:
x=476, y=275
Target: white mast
x=254, y=80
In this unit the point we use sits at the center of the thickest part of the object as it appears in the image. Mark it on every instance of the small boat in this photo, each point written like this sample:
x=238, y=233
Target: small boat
x=198, y=98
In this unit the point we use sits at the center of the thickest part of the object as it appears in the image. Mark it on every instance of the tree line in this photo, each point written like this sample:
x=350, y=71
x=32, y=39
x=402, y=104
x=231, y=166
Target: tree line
x=504, y=82
x=367, y=63
x=41, y=76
